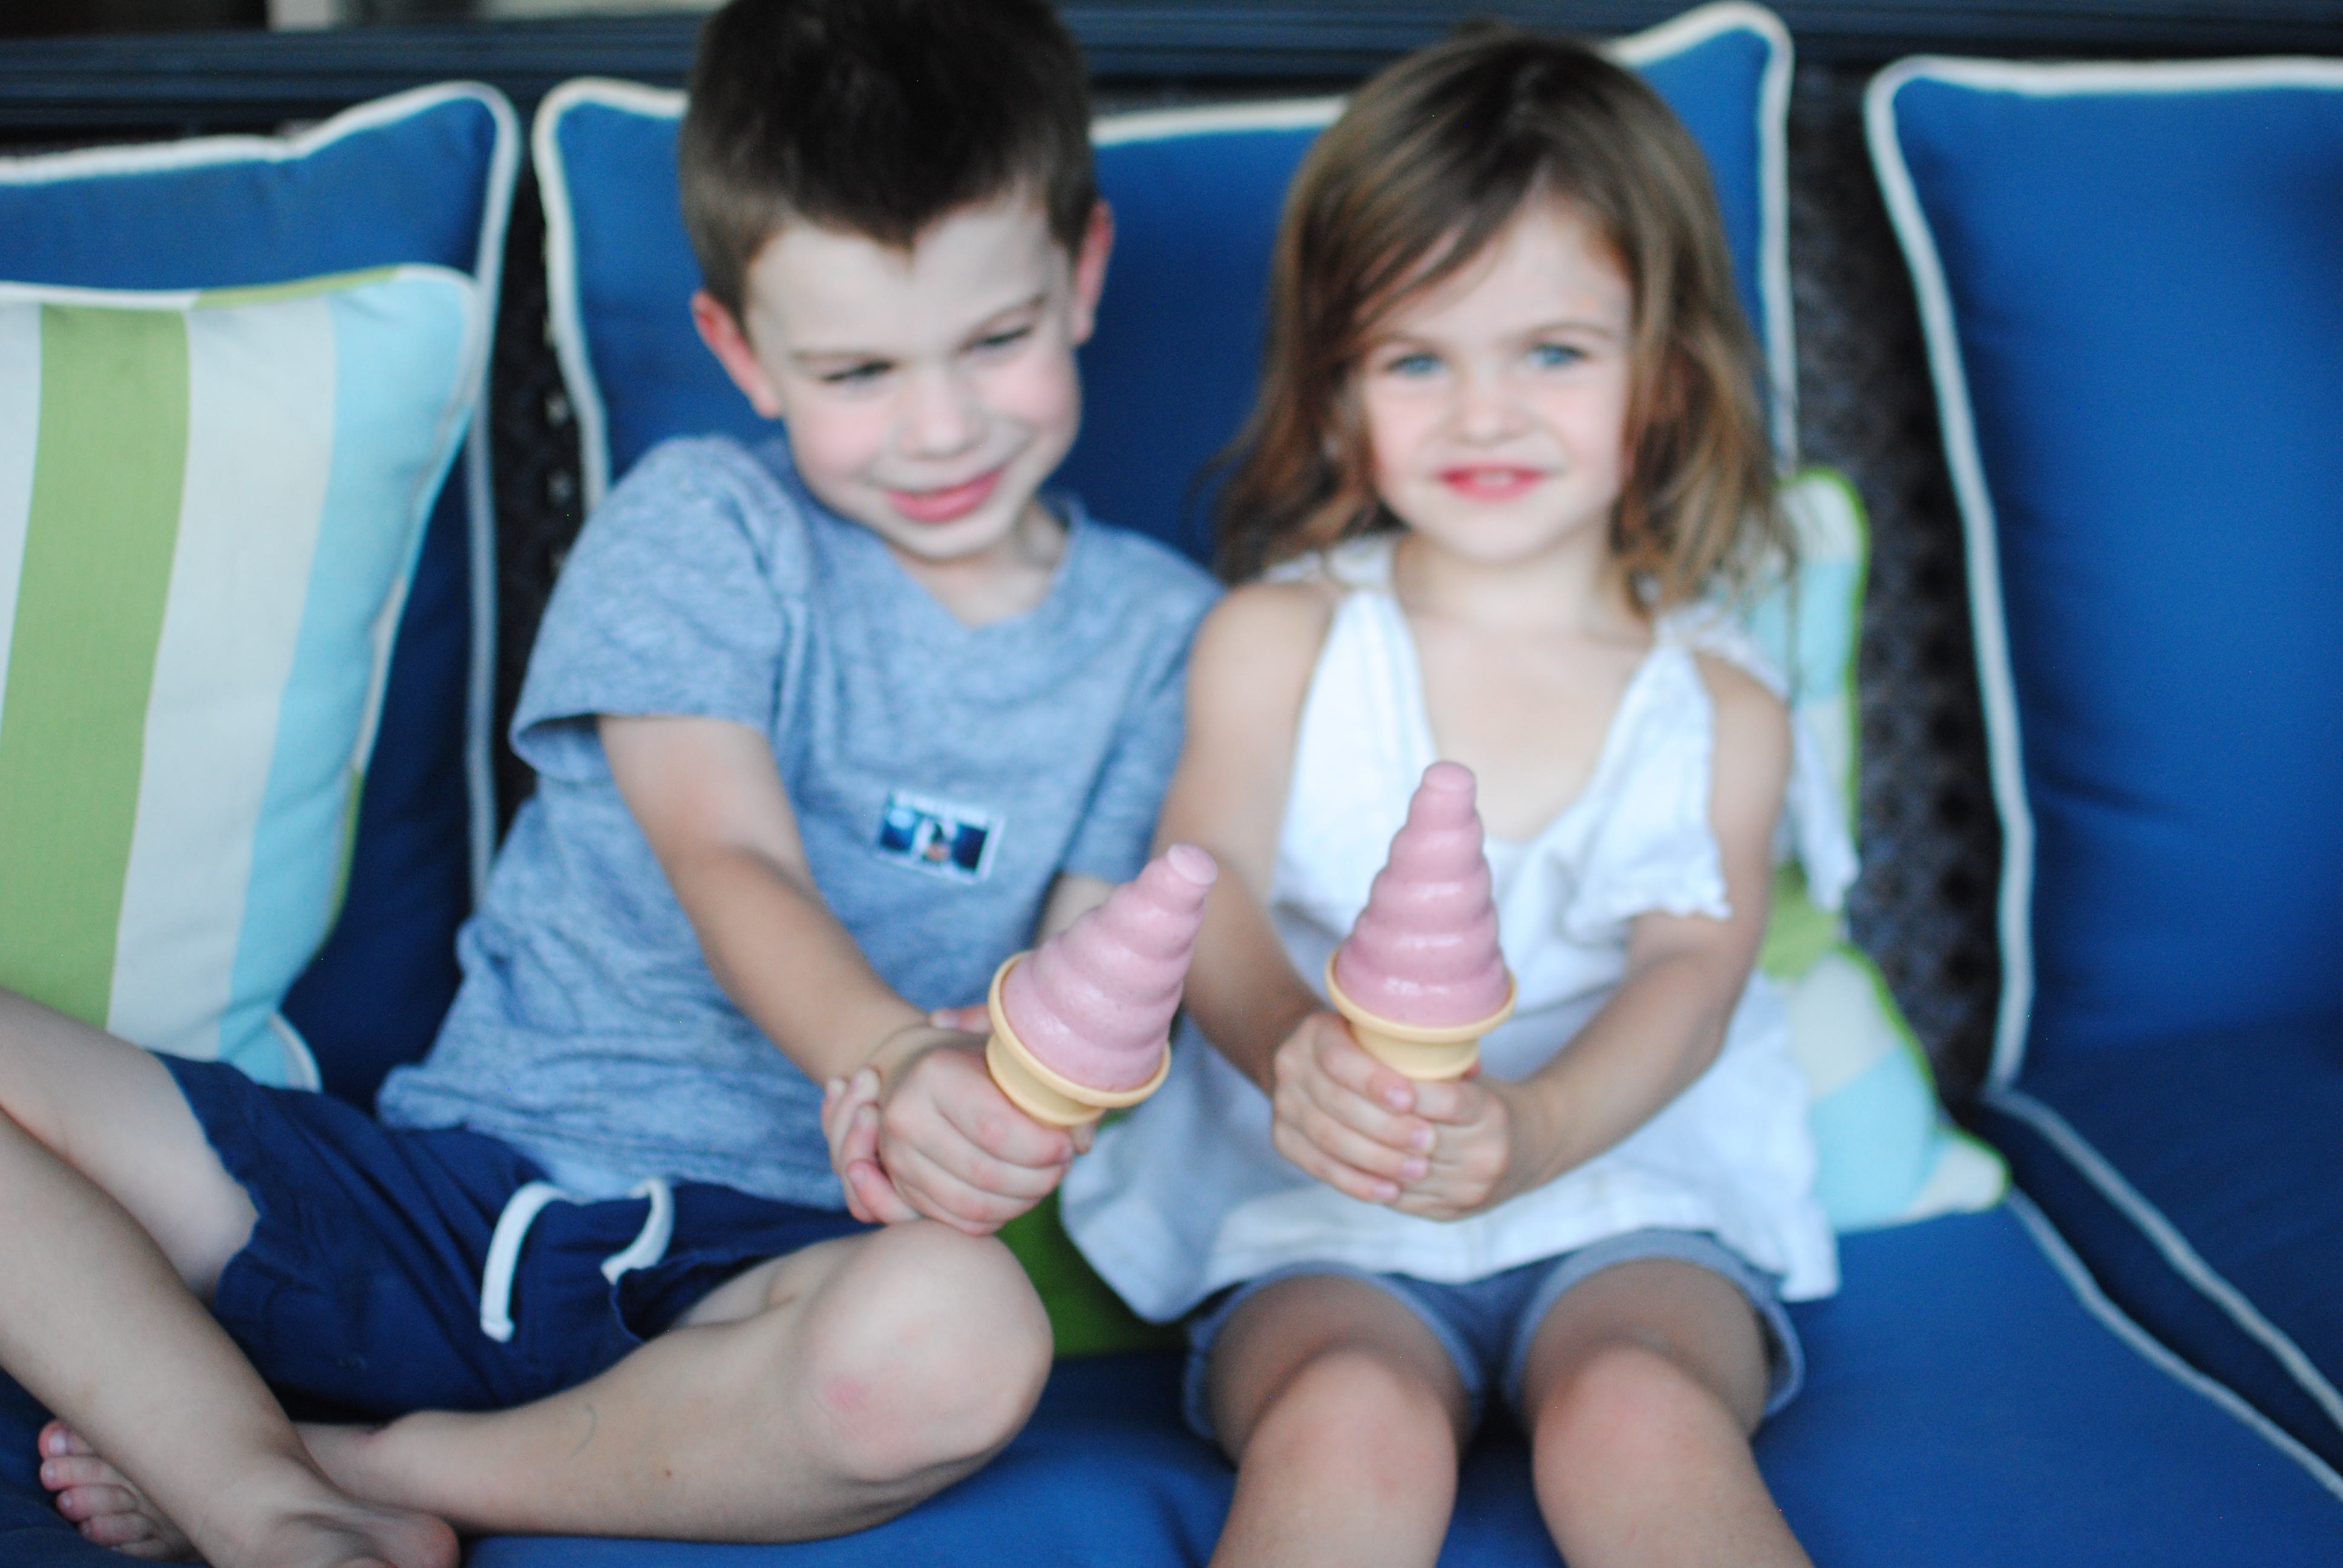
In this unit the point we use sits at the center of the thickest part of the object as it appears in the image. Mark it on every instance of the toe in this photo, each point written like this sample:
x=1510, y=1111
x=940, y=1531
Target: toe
x=118, y=1529
x=78, y=1470
x=58, y=1437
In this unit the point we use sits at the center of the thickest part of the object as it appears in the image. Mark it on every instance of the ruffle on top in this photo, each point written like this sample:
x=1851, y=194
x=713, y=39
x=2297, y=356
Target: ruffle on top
x=1189, y=1194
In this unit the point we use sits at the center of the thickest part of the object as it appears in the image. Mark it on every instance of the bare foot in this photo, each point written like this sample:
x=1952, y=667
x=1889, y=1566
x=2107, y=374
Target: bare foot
x=286, y=1521
x=103, y=1504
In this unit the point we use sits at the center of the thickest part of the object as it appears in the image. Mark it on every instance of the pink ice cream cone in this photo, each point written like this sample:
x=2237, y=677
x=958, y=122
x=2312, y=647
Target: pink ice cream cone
x=1084, y=1023
x=1420, y=977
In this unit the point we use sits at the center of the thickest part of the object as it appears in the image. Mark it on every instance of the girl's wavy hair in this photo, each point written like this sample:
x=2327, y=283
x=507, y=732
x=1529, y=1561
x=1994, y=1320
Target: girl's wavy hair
x=1429, y=164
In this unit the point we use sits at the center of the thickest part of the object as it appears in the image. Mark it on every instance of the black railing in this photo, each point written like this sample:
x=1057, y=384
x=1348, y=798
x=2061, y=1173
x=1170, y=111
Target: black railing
x=166, y=84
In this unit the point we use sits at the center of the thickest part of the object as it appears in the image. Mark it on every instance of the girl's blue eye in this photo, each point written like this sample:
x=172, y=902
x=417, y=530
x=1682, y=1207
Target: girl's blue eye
x=1413, y=365
x=1556, y=355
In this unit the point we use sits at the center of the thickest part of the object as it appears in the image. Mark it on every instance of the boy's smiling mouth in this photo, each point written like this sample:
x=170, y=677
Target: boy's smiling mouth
x=949, y=504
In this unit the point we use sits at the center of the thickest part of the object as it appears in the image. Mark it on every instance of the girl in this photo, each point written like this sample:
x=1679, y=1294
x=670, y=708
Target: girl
x=1507, y=446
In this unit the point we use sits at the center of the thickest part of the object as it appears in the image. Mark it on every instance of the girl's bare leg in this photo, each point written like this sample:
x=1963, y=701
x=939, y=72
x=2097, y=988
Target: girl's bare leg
x=1345, y=1417
x=115, y=1217
x=1641, y=1388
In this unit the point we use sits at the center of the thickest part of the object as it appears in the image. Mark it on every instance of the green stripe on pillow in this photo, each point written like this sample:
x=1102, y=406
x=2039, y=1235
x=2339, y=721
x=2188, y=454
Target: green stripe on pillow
x=111, y=449
x=210, y=507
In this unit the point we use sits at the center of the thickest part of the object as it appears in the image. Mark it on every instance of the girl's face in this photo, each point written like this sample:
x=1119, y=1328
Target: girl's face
x=1496, y=403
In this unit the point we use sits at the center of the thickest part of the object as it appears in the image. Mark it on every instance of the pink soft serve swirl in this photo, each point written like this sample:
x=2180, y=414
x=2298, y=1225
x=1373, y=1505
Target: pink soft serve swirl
x=1424, y=949
x=1094, y=1002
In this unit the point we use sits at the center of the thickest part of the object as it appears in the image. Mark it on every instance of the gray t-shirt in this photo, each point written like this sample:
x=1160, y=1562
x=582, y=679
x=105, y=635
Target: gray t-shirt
x=941, y=777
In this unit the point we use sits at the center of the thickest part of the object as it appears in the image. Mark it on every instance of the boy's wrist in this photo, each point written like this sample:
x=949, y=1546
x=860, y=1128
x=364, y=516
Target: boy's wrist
x=894, y=1051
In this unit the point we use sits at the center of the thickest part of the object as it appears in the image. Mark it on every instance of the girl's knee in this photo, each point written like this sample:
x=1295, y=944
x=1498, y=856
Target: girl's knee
x=1624, y=1407
x=1354, y=1409
x=929, y=1350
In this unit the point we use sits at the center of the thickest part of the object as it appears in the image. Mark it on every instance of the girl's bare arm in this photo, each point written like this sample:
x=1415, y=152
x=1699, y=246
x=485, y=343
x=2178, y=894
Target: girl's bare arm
x=1663, y=1026
x=1247, y=676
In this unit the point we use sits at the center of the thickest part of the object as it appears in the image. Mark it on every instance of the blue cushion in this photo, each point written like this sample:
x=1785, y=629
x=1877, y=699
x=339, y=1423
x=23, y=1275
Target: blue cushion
x=1169, y=374
x=2129, y=276
x=423, y=177
x=1967, y=1401
x=1963, y=1406
x=2211, y=1199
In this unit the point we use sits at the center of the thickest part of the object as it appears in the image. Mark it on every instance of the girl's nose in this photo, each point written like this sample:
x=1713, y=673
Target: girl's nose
x=942, y=416
x=1484, y=407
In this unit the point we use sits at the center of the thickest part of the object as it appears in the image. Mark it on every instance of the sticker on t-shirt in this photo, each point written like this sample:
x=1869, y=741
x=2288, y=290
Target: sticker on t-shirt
x=954, y=841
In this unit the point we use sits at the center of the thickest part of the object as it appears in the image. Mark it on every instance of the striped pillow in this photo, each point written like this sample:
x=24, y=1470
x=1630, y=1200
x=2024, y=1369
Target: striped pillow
x=210, y=505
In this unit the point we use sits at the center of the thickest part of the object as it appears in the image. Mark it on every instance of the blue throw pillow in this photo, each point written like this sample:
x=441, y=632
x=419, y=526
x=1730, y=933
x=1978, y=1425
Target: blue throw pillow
x=1169, y=374
x=421, y=178
x=2132, y=280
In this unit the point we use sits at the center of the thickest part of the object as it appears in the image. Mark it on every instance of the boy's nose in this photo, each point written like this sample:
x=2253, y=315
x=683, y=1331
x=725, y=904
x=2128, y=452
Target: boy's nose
x=941, y=416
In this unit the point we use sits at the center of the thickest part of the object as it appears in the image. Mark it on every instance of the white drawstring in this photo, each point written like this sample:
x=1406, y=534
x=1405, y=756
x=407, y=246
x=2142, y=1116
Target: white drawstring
x=520, y=1213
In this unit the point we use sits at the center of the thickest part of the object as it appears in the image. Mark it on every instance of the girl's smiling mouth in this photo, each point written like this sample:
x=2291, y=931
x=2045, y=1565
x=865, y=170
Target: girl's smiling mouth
x=1494, y=482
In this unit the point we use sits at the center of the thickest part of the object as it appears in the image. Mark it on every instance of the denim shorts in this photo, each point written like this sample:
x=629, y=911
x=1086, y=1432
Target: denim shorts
x=1486, y=1325
x=392, y=1269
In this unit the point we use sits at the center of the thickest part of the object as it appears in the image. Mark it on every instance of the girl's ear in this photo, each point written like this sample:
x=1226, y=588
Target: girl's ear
x=1089, y=269
x=728, y=341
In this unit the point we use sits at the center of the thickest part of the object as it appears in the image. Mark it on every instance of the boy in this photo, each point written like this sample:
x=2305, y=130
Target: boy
x=824, y=730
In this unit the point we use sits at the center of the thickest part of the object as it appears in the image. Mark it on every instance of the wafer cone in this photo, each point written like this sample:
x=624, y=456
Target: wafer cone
x=1421, y=1052
x=1044, y=1095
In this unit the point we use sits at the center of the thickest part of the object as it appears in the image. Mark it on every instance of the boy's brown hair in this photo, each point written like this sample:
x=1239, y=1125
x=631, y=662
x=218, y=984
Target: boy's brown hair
x=876, y=117
x=1428, y=164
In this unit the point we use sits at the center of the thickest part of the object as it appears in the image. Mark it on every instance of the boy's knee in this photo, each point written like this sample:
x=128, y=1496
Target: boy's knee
x=927, y=1351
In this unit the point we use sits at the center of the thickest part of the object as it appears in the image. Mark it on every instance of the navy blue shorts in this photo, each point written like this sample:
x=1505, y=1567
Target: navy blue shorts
x=360, y=1290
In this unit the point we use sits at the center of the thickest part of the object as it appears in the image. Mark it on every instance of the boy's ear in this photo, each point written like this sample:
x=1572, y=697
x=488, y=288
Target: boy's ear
x=726, y=338
x=1089, y=269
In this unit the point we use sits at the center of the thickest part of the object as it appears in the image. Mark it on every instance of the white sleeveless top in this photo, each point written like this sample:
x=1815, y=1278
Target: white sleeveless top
x=1188, y=1196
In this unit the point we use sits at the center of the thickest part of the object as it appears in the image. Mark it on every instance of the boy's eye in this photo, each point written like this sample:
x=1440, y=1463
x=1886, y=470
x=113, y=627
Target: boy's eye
x=993, y=342
x=856, y=374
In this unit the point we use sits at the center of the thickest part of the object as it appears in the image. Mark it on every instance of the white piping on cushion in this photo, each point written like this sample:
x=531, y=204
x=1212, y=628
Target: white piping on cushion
x=2004, y=742
x=520, y=1213
x=1260, y=115
x=2165, y=1237
x=480, y=493
x=1984, y=561
x=2086, y=1290
x=561, y=259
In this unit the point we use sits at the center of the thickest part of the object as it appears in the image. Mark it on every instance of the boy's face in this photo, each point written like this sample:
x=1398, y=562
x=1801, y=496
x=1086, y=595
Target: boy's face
x=930, y=392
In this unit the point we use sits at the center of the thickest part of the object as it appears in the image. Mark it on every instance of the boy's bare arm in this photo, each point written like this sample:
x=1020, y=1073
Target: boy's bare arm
x=709, y=800
x=707, y=794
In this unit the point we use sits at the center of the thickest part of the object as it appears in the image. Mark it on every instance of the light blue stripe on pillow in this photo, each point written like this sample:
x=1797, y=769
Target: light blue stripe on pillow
x=395, y=357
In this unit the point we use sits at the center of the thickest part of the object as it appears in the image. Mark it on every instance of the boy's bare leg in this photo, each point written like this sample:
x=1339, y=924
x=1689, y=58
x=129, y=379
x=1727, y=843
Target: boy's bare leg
x=1640, y=1390
x=105, y=1503
x=822, y=1392
x=1345, y=1417
x=115, y=1217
